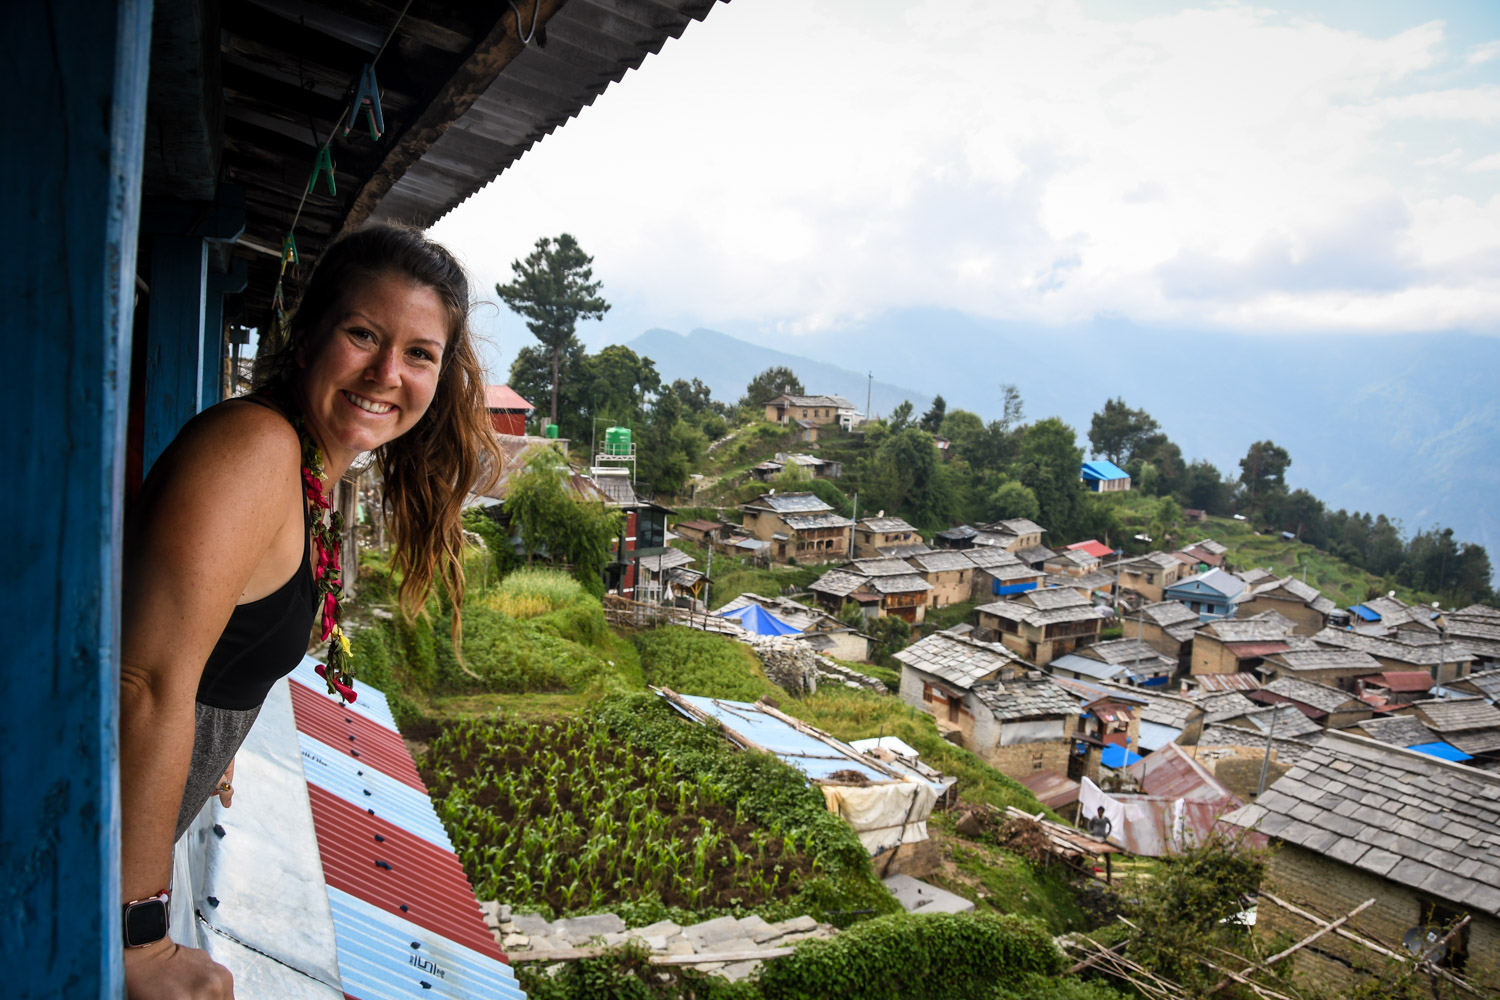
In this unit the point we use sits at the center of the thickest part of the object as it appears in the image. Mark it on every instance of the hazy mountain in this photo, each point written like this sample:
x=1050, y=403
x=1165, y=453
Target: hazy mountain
x=1408, y=426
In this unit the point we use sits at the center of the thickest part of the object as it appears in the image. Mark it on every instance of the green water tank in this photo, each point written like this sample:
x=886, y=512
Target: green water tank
x=617, y=441
x=550, y=430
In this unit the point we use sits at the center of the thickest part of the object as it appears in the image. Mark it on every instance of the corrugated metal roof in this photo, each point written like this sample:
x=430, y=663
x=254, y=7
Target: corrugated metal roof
x=1244, y=650
x=1102, y=468
x=806, y=753
x=1173, y=772
x=357, y=736
x=369, y=702
x=364, y=787
x=503, y=397
x=1155, y=735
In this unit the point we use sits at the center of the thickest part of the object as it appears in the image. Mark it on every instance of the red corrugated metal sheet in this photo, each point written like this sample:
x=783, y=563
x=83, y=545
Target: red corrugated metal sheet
x=1173, y=773
x=1244, y=650
x=1051, y=788
x=1092, y=547
x=399, y=872
x=322, y=718
x=503, y=397
x=1403, y=680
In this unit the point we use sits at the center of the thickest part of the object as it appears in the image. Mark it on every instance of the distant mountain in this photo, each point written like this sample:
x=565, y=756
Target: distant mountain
x=1408, y=426
x=727, y=365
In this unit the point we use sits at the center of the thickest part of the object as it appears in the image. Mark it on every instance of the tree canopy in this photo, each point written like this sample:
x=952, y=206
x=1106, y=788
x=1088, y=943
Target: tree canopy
x=553, y=289
x=768, y=385
x=1263, y=471
x=1117, y=431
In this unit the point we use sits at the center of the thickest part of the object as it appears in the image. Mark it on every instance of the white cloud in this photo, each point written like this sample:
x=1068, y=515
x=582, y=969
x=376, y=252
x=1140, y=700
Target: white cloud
x=1484, y=53
x=805, y=165
x=1491, y=162
x=1447, y=159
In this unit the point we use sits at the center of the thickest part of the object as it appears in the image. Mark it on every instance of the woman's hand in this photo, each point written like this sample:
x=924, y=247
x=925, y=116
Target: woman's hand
x=226, y=785
x=164, y=970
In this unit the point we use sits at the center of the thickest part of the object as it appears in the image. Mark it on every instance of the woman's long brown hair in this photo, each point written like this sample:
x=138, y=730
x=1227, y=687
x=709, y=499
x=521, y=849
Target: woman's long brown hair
x=429, y=471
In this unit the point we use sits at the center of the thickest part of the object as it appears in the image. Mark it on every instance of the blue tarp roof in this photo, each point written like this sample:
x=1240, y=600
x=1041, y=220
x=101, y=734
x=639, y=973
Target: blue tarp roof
x=1365, y=613
x=754, y=618
x=1103, y=470
x=1443, y=751
x=1117, y=756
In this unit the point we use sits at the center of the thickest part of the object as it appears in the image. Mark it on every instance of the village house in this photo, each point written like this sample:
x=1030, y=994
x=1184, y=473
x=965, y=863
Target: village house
x=950, y=574
x=1390, y=688
x=873, y=533
x=1164, y=717
x=1356, y=820
x=1103, y=476
x=961, y=537
x=657, y=582
x=1397, y=730
x=507, y=409
x=1478, y=628
x=1278, y=720
x=813, y=409
x=1148, y=575
x=1292, y=599
x=821, y=631
x=1328, y=706
x=1212, y=594
x=1340, y=668
x=1107, y=716
x=1167, y=627
x=1485, y=683
x=1097, y=586
x=880, y=586
x=812, y=465
x=939, y=673
x=1041, y=625
x=1035, y=556
x=1000, y=573
x=1124, y=661
x=1470, y=724
x=1071, y=562
x=1205, y=554
x=1026, y=728
x=1012, y=534
x=799, y=526
x=1232, y=646
x=1388, y=614
x=1444, y=661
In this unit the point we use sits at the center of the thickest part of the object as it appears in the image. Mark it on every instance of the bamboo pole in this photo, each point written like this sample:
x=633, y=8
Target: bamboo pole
x=1326, y=928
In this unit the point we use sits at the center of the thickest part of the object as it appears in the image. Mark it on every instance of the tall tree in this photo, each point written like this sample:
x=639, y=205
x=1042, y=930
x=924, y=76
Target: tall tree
x=900, y=418
x=1048, y=464
x=768, y=385
x=1263, y=471
x=531, y=375
x=553, y=289
x=1117, y=431
x=1203, y=487
x=932, y=420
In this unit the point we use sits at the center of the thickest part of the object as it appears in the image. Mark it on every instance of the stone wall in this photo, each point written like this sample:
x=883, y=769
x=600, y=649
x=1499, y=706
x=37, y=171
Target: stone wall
x=1022, y=759
x=790, y=664
x=830, y=672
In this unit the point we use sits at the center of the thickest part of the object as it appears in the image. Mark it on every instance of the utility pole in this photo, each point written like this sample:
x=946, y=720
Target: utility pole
x=869, y=386
x=850, y=553
x=1266, y=762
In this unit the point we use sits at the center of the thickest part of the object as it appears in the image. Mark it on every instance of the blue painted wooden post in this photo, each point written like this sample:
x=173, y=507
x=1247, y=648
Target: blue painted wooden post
x=75, y=119
x=174, y=340
x=219, y=285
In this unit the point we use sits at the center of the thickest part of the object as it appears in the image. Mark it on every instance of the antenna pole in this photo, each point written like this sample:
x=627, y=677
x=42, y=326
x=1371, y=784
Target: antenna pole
x=1266, y=761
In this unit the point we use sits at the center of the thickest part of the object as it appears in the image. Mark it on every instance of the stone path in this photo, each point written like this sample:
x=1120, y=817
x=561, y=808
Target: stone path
x=525, y=934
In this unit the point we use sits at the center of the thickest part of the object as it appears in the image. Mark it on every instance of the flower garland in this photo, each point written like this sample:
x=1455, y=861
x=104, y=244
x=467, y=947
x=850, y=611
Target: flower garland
x=326, y=527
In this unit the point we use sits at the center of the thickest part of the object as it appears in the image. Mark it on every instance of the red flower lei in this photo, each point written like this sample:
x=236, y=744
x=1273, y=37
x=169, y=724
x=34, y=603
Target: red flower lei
x=326, y=527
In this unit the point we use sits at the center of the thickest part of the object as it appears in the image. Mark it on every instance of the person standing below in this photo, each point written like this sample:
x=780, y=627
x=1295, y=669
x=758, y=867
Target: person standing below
x=1100, y=826
x=230, y=557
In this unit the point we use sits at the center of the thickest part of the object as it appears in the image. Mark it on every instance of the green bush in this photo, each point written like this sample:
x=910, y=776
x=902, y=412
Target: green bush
x=702, y=663
x=939, y=956
x=625, y=973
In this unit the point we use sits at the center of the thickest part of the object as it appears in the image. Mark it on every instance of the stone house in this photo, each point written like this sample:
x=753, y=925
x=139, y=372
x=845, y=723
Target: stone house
x=1167, y=627
x=1071, y=562
x=1478, y=628
x=1035, y=556
x=881, y=586
x=814, y=467
x=1213, y=594
x=874, y=533
x=961, y=537
x=1292, y=599
x=1041, y=625
x=1340, y=668
x=1234, y=645
x=1097, y=584
x=798, y=526
x=1000, y=573
x=1443, y=659
x=1109, y=716
x=819, y=410
x=1149, y=575
x=1028, y=726
x=939, y=674
x=950, y=574
x=1470, y=724
x=1164, y=718
x=1328, y=706
x=1124, y=661
x=1354, y=820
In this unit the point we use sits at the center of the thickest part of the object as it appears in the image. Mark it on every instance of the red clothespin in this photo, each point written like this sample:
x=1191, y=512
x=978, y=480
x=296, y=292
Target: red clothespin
x=289, y=252
x=323, y=165
x=367, y=96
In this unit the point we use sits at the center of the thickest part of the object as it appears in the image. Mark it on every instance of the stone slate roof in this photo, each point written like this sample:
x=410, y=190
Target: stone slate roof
x=1035, y=554
x=1482, y=635
x=995, y=539
x=961, y=662
x=1158, y=560
x=1093, y=690
x=1399, y=730
x=988, y=557
x=788, y=503
x=885, y=524
x=1018, y=526
x=1488, y=682
x=897, y=584
x=1224, y=705
x=1307, y=594
x=1166, y=613
x=1455, y=715
x=807, y=522
x=1076, y=558
x=1209, y=545
x=833, y=402
x=838, y=582
x=957, y=534
x=1288, y=751
x=1018, y=611
x=1422, y=654
x=1027, y=698
x=1289, y=721
x=1163, y=709
x=1244, y=630
x=1319, y=696
x=1088, y=581
x=1013, y=571
x=878, y=567
x=1130, y=652
x=1327, y=659
x=941, y=562
x=904, y=551
x=1420, y=822
x=1252, y=577
x=1058, y=598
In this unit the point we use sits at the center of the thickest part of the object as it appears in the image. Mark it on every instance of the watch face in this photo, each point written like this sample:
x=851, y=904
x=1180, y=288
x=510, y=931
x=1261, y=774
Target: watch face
x=145, y=922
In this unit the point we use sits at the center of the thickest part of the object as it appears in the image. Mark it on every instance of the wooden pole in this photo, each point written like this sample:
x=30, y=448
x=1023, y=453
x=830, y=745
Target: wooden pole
x=1294, y=948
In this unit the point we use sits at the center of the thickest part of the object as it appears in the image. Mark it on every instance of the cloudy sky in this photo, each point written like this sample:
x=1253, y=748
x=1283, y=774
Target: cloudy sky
x=797, y=166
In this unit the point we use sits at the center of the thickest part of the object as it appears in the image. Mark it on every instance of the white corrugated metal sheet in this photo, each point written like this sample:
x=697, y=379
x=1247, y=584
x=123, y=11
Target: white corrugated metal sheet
x=364, y=786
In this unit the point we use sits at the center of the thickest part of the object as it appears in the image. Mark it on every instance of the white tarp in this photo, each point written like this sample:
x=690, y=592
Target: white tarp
x=885, y=815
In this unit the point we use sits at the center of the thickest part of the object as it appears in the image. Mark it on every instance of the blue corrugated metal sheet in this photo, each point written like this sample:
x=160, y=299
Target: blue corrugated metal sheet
x=812, y=757
x=1117, y=756
x=1013, y=588
x=1365, y=613
x=368, y=702
x=1443, y=751
x=1102, y=468
x=367, y=788
x=382, y=957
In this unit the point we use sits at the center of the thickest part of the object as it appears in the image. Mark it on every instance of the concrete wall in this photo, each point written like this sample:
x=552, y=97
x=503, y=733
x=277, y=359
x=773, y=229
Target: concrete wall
x=1330, y=889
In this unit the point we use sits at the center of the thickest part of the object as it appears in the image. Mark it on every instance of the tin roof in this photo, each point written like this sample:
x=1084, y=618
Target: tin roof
x=1104, y=469
x=1051, y=788
x=1402, y=680
x=1093, y=547
x=503, y=397
x=1172, y=772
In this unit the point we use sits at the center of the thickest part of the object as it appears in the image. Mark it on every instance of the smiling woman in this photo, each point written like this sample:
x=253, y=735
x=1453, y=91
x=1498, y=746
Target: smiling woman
x=229, y=557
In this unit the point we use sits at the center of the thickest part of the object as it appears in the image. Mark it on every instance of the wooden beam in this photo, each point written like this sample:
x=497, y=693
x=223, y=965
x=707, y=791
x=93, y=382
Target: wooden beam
x=1294, y=948
x=480, y=68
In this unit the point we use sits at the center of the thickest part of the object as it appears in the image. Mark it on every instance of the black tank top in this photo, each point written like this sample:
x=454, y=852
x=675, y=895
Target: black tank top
x=263, y=641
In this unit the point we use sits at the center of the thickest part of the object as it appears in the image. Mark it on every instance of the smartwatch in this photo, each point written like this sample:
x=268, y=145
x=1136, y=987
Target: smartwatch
x=146, y=920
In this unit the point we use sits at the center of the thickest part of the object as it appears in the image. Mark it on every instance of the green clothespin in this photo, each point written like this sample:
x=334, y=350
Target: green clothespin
x=367, y=97
x=323, y=164
x=288, y=253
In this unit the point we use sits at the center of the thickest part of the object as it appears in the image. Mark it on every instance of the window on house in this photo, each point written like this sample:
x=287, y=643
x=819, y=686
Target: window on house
x=1150, y=577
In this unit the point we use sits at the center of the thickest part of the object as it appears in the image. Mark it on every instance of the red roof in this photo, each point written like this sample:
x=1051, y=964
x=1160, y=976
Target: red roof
x=1093, y=547
x=503, y=397
x=1402, y=680
x=1051, y=788
x=1244, y=650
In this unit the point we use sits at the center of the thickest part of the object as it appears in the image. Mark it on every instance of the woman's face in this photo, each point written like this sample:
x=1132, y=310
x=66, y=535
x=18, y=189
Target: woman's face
x=376, y=367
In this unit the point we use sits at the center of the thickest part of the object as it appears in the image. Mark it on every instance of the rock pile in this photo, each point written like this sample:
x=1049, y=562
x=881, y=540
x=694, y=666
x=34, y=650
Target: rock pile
x=838, y=674
x=525, y=934
x=790, y=663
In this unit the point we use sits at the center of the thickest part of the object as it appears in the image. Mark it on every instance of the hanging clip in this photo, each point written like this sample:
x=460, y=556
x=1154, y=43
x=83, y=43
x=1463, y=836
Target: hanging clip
x=367, y=96
x=289, y=252
x=324, y=164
